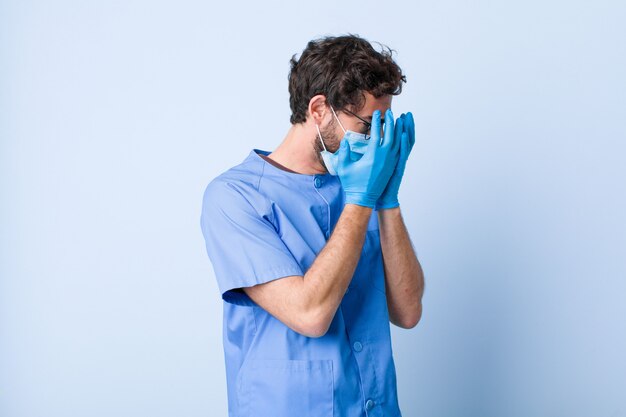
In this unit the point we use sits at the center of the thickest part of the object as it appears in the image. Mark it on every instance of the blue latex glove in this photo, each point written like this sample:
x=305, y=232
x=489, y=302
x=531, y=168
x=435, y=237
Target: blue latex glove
x=405, y=134
x=364, y=180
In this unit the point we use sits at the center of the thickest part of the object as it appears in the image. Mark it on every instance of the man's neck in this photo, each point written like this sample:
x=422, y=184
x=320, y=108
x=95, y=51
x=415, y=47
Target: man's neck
x=296, y=152
x=276, y=164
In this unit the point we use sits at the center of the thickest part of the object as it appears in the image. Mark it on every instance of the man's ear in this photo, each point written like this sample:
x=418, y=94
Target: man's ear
x=317, y=109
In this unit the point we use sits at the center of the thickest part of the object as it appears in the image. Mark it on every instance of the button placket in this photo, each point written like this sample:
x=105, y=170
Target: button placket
x=368, y=378
x=318, y=182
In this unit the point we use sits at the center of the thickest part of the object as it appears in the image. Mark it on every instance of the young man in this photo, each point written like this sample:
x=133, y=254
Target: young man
x=309, y=248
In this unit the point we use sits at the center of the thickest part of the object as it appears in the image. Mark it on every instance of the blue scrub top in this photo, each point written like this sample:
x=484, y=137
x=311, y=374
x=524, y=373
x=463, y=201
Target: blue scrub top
x=262, y=223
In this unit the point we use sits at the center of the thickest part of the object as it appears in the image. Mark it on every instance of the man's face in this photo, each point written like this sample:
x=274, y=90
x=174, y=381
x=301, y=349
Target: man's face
x=332, y=132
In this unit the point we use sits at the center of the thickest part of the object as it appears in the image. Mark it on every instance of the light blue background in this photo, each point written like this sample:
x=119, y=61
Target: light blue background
x=115, y=115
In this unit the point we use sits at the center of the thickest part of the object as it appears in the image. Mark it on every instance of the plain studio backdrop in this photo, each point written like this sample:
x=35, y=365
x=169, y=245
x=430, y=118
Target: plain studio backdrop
x=115, y=115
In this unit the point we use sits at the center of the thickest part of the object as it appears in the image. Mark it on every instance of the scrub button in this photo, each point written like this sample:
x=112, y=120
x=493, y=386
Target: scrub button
x=347, y=290
x=369, y=404
x=317, y=182
x=357, y=346
x=327, y=234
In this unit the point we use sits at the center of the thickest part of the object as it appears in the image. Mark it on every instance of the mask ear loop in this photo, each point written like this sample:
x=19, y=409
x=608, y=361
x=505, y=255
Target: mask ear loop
x=335, y=114
x=320, y=135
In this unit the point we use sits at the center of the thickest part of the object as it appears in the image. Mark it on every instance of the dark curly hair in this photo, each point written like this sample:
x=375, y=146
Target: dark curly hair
x=341, y=68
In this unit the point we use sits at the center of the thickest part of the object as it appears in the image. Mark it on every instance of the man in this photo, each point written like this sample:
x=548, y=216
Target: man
x=313, y=266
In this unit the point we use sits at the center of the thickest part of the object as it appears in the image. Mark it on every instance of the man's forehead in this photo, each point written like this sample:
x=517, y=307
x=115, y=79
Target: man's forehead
x=372, y=104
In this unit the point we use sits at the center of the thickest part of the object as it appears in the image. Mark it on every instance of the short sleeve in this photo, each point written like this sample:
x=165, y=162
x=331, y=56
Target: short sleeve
x=243, y=245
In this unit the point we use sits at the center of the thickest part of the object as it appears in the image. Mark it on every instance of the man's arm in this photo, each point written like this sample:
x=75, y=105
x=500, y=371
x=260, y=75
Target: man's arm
x=308, y=304
x=404, y=278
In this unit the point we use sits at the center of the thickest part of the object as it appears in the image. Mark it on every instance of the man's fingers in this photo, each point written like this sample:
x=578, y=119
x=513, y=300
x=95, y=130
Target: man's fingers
x=375, y=137
x=399, y=128
x=411, y=129
x=388, y=128
x=404, y=147
x=375, y=128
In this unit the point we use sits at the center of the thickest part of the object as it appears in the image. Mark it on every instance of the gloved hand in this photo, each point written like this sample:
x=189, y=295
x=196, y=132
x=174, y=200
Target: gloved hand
x=364, y=180
x=405, y=131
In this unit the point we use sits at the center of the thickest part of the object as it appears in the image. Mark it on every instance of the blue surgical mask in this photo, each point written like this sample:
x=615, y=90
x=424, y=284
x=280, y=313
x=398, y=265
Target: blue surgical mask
x=357, y=141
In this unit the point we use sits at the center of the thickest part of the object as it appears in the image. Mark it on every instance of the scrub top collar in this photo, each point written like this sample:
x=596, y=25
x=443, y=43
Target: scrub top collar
x=305, y=178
